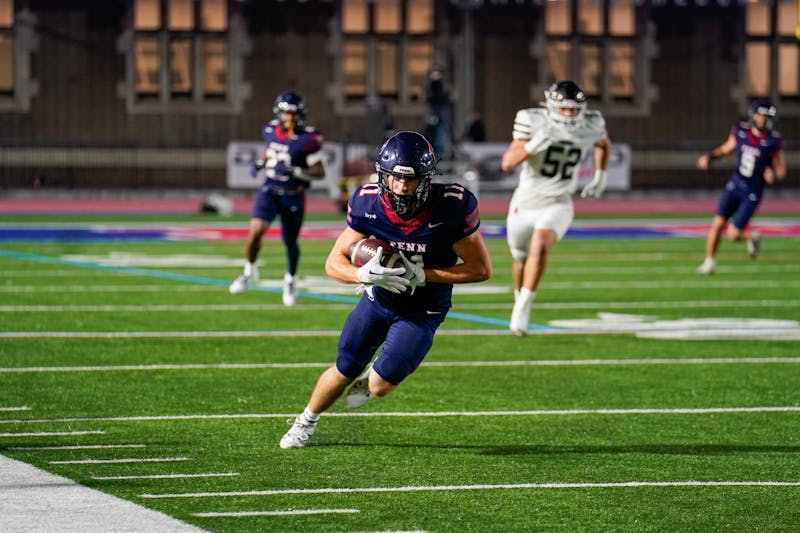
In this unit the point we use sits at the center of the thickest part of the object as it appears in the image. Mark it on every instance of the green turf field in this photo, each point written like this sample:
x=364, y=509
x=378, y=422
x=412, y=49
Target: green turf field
x=692, y=424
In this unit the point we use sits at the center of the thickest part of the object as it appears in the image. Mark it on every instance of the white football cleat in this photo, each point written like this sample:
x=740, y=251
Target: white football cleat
x=289, y=290
x=706, y=269
x=754, y=244
x=241, y=284
x=520, y=318
x=298, y=434
x=359, y=393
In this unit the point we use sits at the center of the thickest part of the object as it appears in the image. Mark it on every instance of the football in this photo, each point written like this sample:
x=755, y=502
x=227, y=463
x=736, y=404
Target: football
x=365, y=249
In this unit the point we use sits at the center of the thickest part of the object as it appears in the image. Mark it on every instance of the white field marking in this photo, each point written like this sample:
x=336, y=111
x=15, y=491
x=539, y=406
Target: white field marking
x=78, y=447
x=424, y=414
x=132, y=368
x=570, y=270
x=20, y=408
x=52, y=433
x=35, y=500
x=107, y=288
x=326, y=285
x=119, y=461
x=126, y=259
x=682, y=304
x=168, y=476
x=504, y=486
x=447, y=364
x=672, y=284
x=291, y=512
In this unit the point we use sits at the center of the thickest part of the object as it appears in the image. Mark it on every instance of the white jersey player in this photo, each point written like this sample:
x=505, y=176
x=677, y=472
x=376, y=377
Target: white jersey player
x=549, y=143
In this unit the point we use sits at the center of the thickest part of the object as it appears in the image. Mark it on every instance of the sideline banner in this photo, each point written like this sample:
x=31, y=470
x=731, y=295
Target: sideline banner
x=477, y=166
x=242, y=154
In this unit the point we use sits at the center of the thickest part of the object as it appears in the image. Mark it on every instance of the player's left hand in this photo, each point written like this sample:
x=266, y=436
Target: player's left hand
x=415, y=271
x=769, y=176
x=300, y=173
x=255, y=167
x=595, y=188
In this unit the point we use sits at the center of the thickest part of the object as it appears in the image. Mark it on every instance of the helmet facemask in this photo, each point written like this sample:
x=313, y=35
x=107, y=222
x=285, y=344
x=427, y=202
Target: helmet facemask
x=290, y=102
x=405, y=205
x=565, y=95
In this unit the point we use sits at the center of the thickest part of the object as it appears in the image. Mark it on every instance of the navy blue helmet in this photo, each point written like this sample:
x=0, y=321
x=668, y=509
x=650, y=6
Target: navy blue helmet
x=763, y=106
x=407, y=155
x=290, y=102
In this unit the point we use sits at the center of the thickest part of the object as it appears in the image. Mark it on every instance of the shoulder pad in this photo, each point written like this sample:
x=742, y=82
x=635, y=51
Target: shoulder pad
x=595, y=120
x=528, y=121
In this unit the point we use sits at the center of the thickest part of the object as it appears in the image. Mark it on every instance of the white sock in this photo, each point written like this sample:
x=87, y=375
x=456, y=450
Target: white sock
x=526, y=296
x=710, y=262
x=310, y=415
x=516, y=294
x=250, y=269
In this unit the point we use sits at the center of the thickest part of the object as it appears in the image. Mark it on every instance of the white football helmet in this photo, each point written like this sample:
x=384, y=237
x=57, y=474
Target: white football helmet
x=565, y=95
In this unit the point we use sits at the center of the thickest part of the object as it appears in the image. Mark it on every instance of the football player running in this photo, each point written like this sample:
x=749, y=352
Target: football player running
x=292, y=159
x=760, y=161
x=550, y=144
x=435, y=226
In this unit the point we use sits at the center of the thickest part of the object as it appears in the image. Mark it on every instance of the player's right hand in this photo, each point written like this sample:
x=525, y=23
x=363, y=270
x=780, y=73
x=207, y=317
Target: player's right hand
x=390, y=279
x=540, y=142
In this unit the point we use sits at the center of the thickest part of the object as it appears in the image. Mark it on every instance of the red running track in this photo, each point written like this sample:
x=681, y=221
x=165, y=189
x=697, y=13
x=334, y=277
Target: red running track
x=488, y=206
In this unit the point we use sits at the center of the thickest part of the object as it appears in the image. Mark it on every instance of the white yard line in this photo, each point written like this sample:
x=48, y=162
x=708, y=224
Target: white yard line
x=486, y=289
x=445, y=364
x=168, y=476
x=290, y=512
x=21, y=408
x=78, y=447
x=422, y=414
x=449, y=488
x=660, y=304
x=35, y=500
x=52, y=433
x=120, y=461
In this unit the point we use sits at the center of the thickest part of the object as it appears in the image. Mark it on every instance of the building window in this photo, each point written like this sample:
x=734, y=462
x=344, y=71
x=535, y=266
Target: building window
x=17, y=41
x=603, y=46
x=180, y=57
x=386, y=50
x=772, y=53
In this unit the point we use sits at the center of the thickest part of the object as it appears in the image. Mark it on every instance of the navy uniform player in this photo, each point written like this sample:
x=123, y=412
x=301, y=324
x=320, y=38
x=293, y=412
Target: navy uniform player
x=549, y=143
x=292, y=158
x=436, y=228
x=759, y=162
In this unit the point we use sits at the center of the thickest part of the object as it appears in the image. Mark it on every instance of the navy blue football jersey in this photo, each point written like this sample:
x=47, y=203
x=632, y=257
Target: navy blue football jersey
x=753, y=155
x=450, y=214
x=285, y=150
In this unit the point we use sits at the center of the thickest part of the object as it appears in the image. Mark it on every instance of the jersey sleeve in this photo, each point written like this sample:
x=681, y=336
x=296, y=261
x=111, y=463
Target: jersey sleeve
x=462, y=206
x=596, y=123
x=528, y=122
x=357, y=207
x=315, y=141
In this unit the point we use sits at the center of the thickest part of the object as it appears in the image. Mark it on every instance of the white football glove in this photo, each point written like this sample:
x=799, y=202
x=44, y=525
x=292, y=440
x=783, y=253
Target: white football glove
x=374, y=273
x=415, y=273
x=540, y=142
x=595, y=187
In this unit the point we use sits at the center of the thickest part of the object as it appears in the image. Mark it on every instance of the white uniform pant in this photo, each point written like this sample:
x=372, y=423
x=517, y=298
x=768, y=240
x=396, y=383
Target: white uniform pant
x=553, y=213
